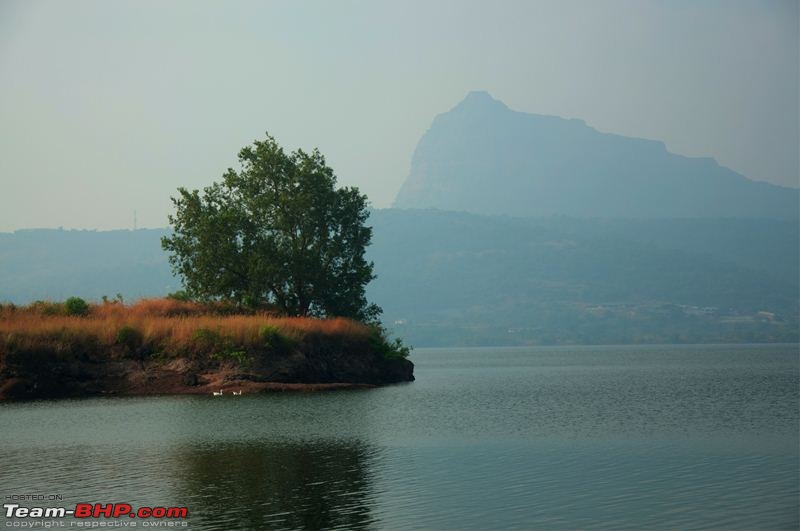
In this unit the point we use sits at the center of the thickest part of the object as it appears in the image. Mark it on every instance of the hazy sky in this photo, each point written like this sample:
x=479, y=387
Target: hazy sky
x=107, y=106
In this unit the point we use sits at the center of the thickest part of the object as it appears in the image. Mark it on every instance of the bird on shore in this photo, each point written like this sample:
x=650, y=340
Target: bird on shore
x=218, y=394
x=237, y=394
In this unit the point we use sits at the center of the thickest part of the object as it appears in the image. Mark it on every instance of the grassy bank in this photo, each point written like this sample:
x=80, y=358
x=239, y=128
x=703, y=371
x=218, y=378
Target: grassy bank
x=170, y=328
x=172, y=346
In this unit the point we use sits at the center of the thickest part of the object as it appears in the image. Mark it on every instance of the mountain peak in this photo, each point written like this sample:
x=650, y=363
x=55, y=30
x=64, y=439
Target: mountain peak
x=480, y=99
x=485, y=158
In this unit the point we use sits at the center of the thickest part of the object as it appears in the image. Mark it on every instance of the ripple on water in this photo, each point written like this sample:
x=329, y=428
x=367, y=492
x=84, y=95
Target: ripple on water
x=633, y=437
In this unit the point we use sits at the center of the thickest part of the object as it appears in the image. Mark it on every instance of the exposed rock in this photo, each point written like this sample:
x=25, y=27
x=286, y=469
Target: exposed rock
x=485, y=158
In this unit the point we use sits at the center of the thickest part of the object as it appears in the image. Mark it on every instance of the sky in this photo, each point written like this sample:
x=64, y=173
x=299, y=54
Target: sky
x=106, y=107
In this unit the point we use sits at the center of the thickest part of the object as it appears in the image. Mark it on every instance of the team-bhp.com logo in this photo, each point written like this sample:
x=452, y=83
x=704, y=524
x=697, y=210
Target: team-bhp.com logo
x=96, y=510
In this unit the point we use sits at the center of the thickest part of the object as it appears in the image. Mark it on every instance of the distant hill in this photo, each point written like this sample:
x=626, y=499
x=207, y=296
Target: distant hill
x=447, y=278
x=56, y=264
x=454, y=278
x=482, y=157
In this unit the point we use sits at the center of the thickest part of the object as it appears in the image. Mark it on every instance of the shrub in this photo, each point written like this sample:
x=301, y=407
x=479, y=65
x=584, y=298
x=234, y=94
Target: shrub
x=389, y=349
x=76, y=306
x=273, y=339
x=130, y=338
x=47, y=308
x=216, y=346
x=207, y=341
x=118, y=299
x=396, y=349
x=180, y=295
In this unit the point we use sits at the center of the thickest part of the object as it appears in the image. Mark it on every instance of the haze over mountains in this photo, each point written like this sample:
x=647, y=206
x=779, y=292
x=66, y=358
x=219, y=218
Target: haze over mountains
x=485, y=158
x=449, y=278
x=516, y=229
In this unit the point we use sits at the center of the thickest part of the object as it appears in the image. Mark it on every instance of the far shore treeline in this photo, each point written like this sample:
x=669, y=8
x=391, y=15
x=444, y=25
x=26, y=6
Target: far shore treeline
x=441, y=281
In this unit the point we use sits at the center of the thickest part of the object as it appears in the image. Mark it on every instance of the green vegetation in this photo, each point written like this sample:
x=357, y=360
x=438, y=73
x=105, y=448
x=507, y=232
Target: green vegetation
x=49, y=308
x=390, y=349
x=277, y=232
x=174, y=329
x=165, y=346
x=180, y=295
x=76, y=306
x=273, y=339
x=118, y=299
x=73, y=306
x=130, y=338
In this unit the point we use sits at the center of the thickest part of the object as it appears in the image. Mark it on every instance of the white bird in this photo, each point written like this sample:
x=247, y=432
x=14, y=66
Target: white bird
x=238, y=394
x=218, y=394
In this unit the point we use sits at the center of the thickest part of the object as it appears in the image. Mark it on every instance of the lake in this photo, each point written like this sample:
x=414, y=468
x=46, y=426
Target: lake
x=547, y=437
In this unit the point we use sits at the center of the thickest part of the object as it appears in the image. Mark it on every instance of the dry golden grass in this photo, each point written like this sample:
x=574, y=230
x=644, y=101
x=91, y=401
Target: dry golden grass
x=166, y=325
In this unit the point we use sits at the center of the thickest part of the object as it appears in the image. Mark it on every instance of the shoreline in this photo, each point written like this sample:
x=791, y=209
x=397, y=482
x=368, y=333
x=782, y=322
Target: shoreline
x=245, y=387
x=181, y=377
x=166, y=347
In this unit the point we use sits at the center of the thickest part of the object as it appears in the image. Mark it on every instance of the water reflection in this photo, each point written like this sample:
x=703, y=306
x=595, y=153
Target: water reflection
x=266, y=485
x=611, y=438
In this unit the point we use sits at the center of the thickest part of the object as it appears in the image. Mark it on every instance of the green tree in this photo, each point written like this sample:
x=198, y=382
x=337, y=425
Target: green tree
x=277, y=231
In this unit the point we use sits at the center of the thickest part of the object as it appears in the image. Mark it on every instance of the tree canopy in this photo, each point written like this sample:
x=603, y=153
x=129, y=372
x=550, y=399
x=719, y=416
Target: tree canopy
x=277, y=231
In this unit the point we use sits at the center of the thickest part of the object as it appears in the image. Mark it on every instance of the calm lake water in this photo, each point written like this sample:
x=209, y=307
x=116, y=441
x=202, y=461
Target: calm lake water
x=594, y=437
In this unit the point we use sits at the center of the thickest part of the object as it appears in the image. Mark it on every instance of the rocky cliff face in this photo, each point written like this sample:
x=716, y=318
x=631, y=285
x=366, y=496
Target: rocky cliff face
x=485, y=158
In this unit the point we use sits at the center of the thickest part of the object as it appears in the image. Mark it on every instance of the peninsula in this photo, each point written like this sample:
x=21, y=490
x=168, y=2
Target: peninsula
x=166, y=346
